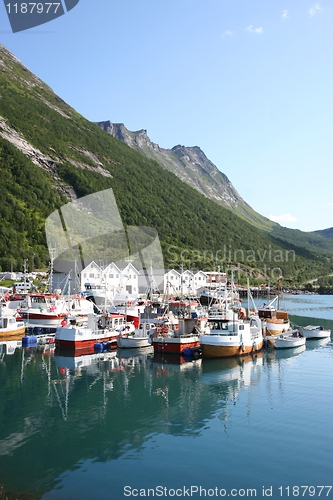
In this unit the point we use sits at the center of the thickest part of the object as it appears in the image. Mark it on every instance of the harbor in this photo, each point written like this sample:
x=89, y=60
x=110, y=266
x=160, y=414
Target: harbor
x=103, y=419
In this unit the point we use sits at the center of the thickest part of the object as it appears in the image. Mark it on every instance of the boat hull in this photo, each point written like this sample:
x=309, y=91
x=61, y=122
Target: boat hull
x=80, y=338
x=132, y=342
x=227, y=351
x=43, y=319
x=276, y=327
x=174, y=345
x=15, y=332
x=315, y=333
x=289, y=342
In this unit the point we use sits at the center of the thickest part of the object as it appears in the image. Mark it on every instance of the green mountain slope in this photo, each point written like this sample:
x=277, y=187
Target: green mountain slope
x=326, y=233
x=49, y=154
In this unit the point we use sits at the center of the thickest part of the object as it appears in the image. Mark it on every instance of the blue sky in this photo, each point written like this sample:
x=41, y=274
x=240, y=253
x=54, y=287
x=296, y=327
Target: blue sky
x=250, y=83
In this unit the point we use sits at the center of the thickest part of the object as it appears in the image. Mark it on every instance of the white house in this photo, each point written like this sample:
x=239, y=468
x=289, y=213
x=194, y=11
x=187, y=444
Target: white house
x=200, y=281
x=111, y=278
x=172, y=282
x=91, y=274
x=187, y=283
x=129, y=280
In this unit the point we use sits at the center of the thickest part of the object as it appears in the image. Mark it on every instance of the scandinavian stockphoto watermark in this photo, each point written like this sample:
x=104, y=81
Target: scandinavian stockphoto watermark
x=266, y=262
x=24, y=15
x=90, y=229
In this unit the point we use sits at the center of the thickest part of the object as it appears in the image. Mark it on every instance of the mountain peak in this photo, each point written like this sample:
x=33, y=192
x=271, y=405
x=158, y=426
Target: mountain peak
x=191, y=165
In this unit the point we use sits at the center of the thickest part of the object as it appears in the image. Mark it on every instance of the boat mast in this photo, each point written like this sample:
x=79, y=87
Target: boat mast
x=278, y=303
x=51, y=270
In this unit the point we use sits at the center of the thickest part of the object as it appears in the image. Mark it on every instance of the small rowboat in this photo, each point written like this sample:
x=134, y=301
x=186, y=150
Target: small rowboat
x=289, y=340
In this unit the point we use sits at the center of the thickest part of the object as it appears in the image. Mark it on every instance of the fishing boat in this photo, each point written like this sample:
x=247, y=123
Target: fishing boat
x=315, y=332
x=11, y=302
x=229, y=332
x=290, y=340
x=51, y=309
x=103, y=328
x=129, y=307
x=10, y=327
x=231, y=335
x=169, y=339
x=138, y=338
x=274, y=320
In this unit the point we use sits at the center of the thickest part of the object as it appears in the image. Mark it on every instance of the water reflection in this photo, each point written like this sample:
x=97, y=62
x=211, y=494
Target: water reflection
x=61, y=408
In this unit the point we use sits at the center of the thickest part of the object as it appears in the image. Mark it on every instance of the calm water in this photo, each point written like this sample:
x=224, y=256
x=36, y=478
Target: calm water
x=104, y=427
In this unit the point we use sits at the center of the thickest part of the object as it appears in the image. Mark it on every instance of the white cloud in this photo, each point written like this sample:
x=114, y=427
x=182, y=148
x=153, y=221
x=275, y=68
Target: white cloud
x=285, y=14
x=282, y=218
x=315, y=9
x=255, y=31
x=227, y=33
x=330, y=204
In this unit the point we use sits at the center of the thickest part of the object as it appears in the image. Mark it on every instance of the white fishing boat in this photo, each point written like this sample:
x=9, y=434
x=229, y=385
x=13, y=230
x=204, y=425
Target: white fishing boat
x=139, y=338
x=230, y=333
x=289, y=340
x=104, y=328
x=98, y=294
x=53, y=309
x=11, y=302
x=10, y=327
x=315, y=332
x=231, y=336
x=274, y=320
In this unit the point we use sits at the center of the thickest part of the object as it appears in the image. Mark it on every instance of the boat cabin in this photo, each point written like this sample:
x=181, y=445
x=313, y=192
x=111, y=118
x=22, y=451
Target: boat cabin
x=225, y=327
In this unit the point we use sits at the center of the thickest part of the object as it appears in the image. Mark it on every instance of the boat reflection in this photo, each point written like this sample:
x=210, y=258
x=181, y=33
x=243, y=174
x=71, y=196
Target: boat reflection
x=9, y=346
x=244, y=370
x=316, y=343
x=278, y=354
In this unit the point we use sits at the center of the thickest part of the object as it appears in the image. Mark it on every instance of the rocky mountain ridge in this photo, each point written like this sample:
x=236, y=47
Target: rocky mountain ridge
x=192, y=166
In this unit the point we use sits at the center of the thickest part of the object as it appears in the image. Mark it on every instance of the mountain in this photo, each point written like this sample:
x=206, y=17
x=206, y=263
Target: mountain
x=192, y=166
x=326, y=233
x=51, y=155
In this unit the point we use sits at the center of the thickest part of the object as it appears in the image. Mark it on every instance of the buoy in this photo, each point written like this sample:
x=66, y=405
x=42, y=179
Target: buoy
x=63, y=323
x=187, y=351
x=98, y=347
x=62, y=371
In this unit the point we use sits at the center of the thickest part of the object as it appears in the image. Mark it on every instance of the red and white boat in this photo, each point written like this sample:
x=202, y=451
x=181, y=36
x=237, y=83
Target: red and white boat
x=11, y=302
x=104, y=328
x=50, y=309
x=171, y=340
x=129, y=307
